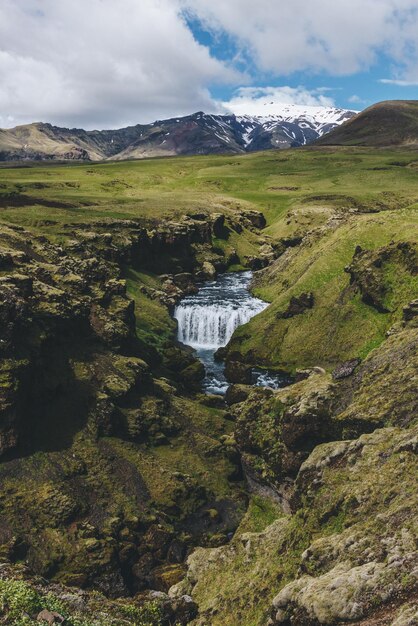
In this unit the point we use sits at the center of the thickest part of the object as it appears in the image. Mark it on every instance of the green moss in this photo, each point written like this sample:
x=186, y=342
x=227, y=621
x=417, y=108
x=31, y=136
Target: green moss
x=260, y=514
x=21, y=602
x=154, y=326
x=356, y=503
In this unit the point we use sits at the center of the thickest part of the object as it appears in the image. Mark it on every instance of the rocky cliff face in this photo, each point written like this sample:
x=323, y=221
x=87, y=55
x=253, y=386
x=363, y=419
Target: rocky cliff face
x=344, y=549
x=99, y=414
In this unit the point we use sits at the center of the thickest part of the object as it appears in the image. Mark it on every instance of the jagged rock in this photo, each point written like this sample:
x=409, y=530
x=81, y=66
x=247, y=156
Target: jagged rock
x=185, y=609
x=345, y=369
x=192, y=375
x=297, y=306
x=276, y=430
x=218, y=226
x=379, y=382
x=237, y=393
x=340, y=595
x=255, y=218
x=207, y=272
x=116, y=323
x=256, y=263
x=410, y=311
x=368, y=271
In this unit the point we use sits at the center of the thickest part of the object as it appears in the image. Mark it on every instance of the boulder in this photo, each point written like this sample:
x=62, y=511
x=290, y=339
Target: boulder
x=345, y=369
x=237, y=393
x=237, y=372
x=50, y=617
x=207, y=271
x=192, y=375
x=410, y=311
x=255, y=218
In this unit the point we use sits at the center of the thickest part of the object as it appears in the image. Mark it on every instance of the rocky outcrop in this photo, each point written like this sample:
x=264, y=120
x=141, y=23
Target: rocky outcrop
x=370, y=271
x=275, y=431
x=382, y=390
x=297, y=306
x=410, y=311
x=348, y=554
x=345, y=550
x=349, y=575
x=100, y=424
x=345, y=369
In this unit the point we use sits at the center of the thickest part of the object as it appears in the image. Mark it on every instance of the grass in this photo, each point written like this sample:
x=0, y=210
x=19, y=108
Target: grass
x=20, y=602
x=159, y=187
x=343, y=197
x=154, y=326
x=261, y=513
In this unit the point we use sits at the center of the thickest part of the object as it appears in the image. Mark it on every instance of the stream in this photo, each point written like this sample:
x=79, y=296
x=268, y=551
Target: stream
x=206, y=321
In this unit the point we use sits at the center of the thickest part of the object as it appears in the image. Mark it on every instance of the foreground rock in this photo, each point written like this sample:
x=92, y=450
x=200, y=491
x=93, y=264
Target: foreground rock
x=345, y=548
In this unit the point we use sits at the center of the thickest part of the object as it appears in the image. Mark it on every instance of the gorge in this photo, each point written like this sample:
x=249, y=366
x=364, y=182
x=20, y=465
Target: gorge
x=128, y=496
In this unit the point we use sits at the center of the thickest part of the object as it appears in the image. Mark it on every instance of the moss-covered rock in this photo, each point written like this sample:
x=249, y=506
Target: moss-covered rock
x=73, y=375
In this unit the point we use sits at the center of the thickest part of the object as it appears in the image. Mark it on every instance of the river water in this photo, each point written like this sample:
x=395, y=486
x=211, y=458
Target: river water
x=206, y=321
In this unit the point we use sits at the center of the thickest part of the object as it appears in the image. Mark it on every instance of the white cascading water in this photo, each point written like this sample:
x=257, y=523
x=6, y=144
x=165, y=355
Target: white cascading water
x=211, y=326
x=207, y=320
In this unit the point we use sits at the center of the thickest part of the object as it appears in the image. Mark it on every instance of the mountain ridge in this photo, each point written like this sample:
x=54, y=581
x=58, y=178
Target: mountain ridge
x=199, y=133
x=385, y=124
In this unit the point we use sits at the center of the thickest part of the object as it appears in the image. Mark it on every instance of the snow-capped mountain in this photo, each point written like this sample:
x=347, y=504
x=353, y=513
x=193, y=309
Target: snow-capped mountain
x=286, y=125
x=297, y=124
x=280, y=126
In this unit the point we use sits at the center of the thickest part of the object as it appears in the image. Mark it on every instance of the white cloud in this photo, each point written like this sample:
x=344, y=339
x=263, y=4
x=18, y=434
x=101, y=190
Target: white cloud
x=399, y=83
x=265, y=100
x=101, y=62
x=337, y=36
x=107, y=63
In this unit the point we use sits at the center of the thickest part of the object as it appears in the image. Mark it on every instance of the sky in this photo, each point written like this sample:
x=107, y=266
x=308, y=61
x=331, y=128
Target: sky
x=112, y=63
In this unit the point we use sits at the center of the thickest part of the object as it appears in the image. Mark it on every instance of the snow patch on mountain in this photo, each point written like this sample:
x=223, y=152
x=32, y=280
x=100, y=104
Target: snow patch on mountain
x=281, y=126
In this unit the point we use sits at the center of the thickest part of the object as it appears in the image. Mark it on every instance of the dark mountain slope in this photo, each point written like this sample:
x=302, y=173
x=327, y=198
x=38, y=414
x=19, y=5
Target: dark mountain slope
x=389, y=123
x=200, y=133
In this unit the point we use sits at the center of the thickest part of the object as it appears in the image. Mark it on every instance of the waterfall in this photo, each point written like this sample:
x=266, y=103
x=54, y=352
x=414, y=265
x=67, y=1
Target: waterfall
x=208, y=319
x=211, y=326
